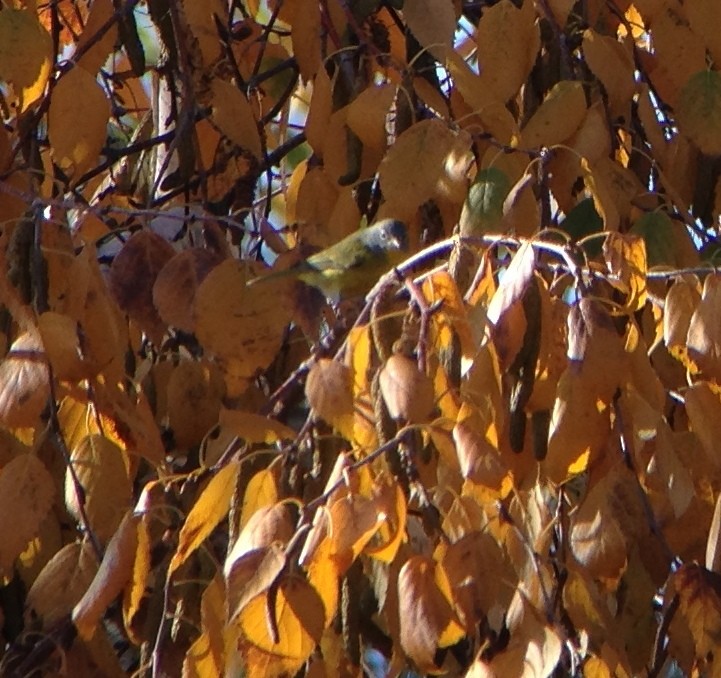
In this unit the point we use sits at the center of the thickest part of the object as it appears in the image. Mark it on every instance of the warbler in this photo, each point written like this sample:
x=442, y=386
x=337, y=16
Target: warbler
x=351, y=266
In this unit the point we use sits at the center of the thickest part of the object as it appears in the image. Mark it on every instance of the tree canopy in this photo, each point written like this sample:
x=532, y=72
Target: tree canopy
x=504, y=460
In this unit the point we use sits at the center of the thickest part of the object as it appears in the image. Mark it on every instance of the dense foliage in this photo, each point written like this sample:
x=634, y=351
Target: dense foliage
x=504, y=460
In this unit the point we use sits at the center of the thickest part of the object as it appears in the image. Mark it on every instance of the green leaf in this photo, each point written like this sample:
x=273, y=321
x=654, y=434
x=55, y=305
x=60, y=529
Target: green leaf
x=699, y=111
x=483, y=209
x=656, y=228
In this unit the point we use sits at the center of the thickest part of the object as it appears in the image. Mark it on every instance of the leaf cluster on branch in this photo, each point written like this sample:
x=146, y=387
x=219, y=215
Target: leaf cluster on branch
x=503, y=461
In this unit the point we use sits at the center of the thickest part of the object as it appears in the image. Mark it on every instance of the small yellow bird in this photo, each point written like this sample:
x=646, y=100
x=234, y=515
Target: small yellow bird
x=351, y=266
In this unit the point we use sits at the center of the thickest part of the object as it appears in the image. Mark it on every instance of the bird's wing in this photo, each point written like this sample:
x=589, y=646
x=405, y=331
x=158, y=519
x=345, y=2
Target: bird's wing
x=327, y=264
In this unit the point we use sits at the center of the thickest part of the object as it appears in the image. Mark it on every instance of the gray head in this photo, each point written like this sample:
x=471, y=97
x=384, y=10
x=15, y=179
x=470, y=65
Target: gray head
x=386, y=235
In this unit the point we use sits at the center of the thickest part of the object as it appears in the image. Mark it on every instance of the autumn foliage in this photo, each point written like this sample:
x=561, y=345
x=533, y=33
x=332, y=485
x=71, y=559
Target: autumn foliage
x=504, y=461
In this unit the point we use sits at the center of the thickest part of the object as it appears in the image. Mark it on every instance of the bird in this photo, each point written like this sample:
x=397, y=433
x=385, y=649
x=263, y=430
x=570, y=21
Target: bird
x=351, y=266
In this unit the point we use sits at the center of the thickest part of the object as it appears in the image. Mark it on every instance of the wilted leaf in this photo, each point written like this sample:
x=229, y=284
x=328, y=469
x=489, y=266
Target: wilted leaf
x=432, y=24
x=254, y=428
x=508, y=40
x=597, y=540
x=612, y=63
x=63, y=581
x=195, y=394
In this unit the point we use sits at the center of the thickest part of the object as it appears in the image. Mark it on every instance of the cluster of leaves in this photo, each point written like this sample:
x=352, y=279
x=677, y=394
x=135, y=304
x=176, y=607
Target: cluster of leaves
x=505, y=464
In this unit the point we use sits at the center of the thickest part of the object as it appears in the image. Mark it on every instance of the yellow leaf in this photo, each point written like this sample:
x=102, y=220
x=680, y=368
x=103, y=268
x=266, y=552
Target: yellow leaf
x=557, y=118
x=114, y=573
x=627, y=267
x=205, y=658
x=138, y=586
x=262, y=491
x=287, y=623
x=393, y=527
x=306, y=36
x=103, y=471
x=209, y=509
x=508, y=40
x=233, y=114
x=233, y=321
x=612, y=63
x=26, y=52
x=367, y=115
x=704, y=330
x=254, y=428
x=77, y=96
x=423, y=163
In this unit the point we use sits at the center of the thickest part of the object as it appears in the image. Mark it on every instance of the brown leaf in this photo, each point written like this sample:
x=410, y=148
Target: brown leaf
x=24, y=387
x=329, y=392
x=408, y=392
x=699, y=593
x=132, y=276
x=704, y=330
x=177, y=284
x=233, y=321
x=427, y=159
x=62, y=582
x=597, y=540
x=427, y=619
x=26, y=495
x=195, y=394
